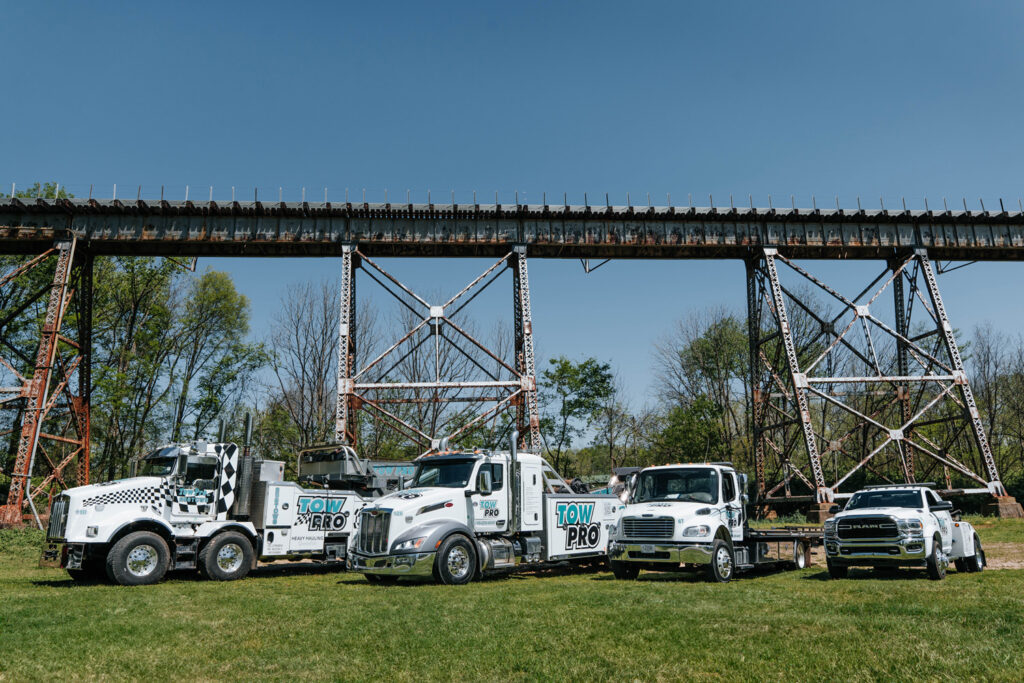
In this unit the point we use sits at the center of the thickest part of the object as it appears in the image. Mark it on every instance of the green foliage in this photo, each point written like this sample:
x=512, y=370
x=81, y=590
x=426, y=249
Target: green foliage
x=571, y=394
x=691, y=433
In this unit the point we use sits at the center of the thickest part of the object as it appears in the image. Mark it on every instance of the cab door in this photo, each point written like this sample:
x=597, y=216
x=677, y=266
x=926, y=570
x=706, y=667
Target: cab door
x=732, y=499
x=943, y=517
x=490, y=510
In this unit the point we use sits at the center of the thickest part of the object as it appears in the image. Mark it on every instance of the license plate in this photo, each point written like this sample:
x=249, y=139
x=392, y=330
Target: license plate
x=647, y=548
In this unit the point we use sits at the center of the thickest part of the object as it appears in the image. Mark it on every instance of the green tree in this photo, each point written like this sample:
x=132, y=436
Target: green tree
x=692, y=433
x=571, y=394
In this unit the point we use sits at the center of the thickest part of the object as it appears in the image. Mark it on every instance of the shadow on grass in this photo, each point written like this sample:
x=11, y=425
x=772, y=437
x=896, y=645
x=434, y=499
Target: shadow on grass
x=902, y=574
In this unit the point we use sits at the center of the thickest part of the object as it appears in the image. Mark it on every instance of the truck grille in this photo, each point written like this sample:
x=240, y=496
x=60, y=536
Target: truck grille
x=867, y=527
x=657, y=527
x=58, y=519
x=373, y=531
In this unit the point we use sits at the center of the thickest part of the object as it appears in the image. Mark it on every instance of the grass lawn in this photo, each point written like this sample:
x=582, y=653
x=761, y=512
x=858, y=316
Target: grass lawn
x=315, y=624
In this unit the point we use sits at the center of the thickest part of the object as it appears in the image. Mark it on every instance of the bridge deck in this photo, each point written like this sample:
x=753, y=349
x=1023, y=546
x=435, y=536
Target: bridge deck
x=555, y=231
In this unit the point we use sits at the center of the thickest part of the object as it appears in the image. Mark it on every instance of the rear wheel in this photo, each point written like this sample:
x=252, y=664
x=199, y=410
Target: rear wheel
x=721, y=568
x=976, y=562
x=624, y=571
x=227, y=557
x=937, y=561
x=138, y=559
x=836, y=571
x=455, y=563
x=799, y=555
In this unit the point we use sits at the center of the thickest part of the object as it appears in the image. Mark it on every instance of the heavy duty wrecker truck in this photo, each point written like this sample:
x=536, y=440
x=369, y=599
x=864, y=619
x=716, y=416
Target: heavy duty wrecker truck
x=203, y=506
x=468, y=513
x=693, y=517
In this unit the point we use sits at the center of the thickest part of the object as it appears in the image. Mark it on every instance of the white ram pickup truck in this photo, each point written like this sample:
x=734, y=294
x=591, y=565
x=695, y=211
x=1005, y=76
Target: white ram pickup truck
x=196, y=506
x=693, y=517
x=900, y=525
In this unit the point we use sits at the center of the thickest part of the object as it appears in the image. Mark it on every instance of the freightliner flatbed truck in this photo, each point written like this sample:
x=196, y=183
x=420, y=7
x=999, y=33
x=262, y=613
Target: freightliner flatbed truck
x=693, y=517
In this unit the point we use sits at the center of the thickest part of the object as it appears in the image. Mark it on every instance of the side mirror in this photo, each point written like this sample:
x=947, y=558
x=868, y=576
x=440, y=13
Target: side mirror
x=133, y=467
x=484, y=482
x=834, y=509
x=182, y=466
x=944, y=506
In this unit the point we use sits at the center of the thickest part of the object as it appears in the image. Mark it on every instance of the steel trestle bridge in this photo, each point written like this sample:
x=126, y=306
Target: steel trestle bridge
x=844, y=385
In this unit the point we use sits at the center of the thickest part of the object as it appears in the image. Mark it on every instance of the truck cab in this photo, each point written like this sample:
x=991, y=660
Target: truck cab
x=900, y=525
x=471, y=512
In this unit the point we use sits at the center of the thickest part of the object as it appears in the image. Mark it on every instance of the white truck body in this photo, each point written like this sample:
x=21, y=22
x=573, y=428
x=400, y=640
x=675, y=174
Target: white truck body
x=202, y=491
x=420, y=531
x=693, y=516
x=899, y=526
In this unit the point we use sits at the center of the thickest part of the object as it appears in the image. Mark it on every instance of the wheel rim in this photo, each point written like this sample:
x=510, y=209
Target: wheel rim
x=941, y=559
x=229, y=557
x=142, y=560
x=798, y=556
x=458, y=562
x=979, y=555
x=724, y=563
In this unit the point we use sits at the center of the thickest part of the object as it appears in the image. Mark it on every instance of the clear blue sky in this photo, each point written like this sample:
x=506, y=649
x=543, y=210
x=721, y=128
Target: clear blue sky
x=870, y=99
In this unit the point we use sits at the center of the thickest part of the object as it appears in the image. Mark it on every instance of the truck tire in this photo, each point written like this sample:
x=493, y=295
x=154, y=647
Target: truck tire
x=226, y=557
x=455, y=563
x=976, y=562
x=836, y=571
x=799, y=555
x=624, y=571
x=721, y=568
x=961, y=565
x=937, y=561
x=138, y=559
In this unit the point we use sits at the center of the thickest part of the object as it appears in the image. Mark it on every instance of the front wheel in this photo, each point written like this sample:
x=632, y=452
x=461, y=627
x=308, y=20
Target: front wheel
x=721, y=567
x=138, y=559
x=976, y=562
x=624, y=571
x=456, y=562
x=937, y=562
x=228, y=557
x=836, y=571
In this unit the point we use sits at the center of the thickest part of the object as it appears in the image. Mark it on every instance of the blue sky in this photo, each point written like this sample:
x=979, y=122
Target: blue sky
x=872, y=99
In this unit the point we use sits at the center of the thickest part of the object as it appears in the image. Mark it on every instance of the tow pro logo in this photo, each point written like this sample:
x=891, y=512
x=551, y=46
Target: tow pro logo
x=322, y=514
x=580, y=529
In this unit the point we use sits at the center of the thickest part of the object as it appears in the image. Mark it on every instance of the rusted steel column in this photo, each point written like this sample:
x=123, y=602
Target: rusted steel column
x=83, y=401
x=346, y=420
x=528, y=412
x=902, y=365
x=756, y=401
x=37, y=388
x=823, y=493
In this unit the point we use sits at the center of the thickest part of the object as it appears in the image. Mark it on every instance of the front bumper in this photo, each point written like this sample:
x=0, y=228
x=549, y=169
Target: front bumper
x=907, y=550
x=403, y=564
x=62, y=555
x=667, y=553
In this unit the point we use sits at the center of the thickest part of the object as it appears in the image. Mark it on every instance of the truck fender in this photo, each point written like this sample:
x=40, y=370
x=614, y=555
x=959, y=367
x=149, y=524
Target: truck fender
x=436, y=531
x=722, y=532
x=157, y=526
x=208, y=530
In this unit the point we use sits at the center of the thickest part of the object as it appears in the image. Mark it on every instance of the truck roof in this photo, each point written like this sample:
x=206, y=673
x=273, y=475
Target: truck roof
x=898, y=487
x=676, y=465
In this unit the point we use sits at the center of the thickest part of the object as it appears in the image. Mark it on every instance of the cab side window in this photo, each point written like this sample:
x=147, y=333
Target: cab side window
x=931, y=498
x=728, y=488
x=497, y=475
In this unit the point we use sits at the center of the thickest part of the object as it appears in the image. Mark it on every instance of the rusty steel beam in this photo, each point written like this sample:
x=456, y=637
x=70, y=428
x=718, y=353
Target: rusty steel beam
x=185, y=228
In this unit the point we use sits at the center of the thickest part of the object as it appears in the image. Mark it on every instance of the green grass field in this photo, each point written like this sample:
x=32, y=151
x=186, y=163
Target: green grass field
x=315, y=624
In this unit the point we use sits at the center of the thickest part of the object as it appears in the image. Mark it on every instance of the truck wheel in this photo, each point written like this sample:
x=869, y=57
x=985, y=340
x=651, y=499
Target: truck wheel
x=227, y=557
x=624, y=571
x=138, y=559
x=937, y=561
x=799, y=555
x=455, y=563
x=976, y=562
x=721, y=566
x=961, y=565
x=836, y=571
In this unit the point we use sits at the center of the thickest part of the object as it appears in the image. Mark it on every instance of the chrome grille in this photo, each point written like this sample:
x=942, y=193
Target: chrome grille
x=867, y=527
x=373, y=531
x=58, y=519
x=654, y=527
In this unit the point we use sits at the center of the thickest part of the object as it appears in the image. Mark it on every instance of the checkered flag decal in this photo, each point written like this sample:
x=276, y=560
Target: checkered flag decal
x=148, y=495
x=228, y=456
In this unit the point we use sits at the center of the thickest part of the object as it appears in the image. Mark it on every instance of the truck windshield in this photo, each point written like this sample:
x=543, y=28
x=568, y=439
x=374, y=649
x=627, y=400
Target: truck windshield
x=453, y=474
x=159, y=463
x=695, y=484
x=885, y=499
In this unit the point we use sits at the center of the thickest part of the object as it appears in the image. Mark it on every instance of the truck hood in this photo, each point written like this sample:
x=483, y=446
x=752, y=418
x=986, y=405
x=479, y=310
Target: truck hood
x=116, y=486
x=898, y=513
x=665, y=508
x=411, y=501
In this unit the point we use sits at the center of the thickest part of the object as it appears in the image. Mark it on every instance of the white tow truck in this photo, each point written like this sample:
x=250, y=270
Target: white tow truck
x=196, y=506
x=900, y=525
x=470, y=513
x=692, y=517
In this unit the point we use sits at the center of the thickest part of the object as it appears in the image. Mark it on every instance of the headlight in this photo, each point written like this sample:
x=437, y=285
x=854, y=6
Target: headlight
x=92, y=531
x=830, y=526
x=910, y=525
x=411, y=544
x=613, y=529
x=701, y=530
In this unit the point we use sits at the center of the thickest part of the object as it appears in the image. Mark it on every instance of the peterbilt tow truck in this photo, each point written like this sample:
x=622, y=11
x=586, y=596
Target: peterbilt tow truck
x=900, y=525
x=693, y=517
x=469, y=513
x=196, y=506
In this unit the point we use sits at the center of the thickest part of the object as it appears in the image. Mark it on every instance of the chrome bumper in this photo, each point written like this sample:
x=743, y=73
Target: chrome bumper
x=404, y=564
x=895, y=550
x=668, y=553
